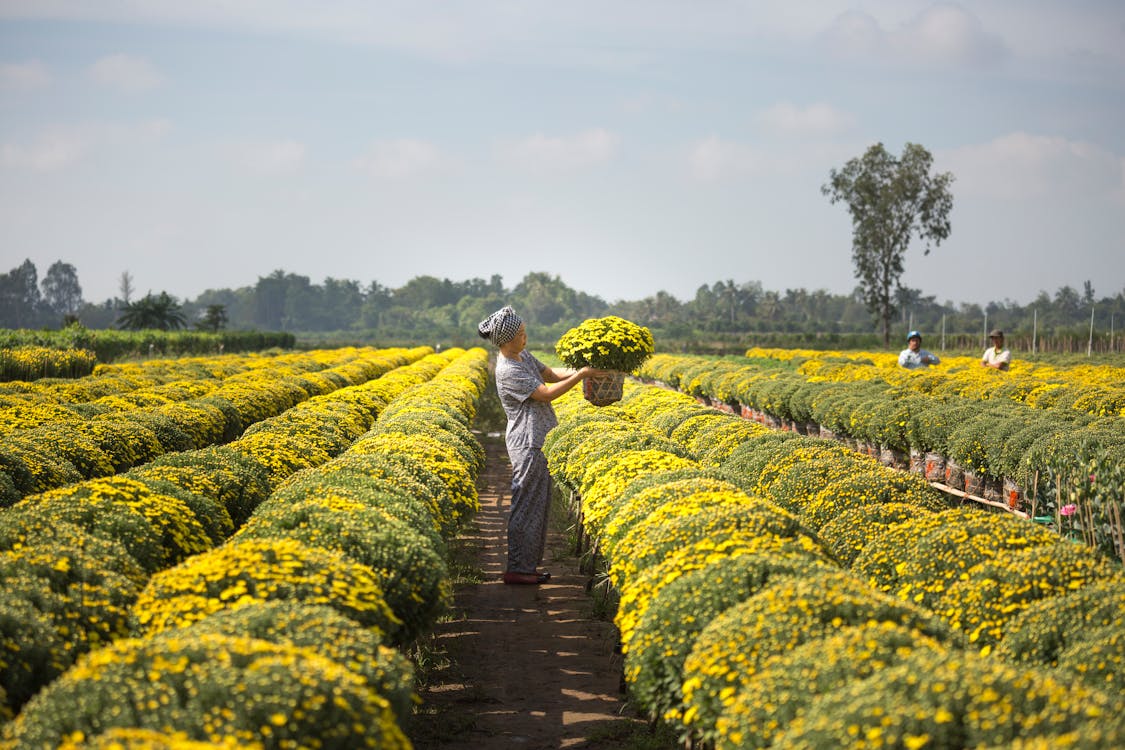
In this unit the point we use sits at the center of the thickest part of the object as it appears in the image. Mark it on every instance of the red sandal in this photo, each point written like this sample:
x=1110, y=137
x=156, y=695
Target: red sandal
x=532, y=579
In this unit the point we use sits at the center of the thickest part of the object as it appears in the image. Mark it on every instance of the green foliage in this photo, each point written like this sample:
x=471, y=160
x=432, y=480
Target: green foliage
x=211, y=687
x=329, y=634
x=679, y=611
x=1045, y=628
x=921, y=559
x=867, y=486
x=241, y=482
x=849, y=531
x=793, y=681
x=997, y=589
x=952, y=700
x=411, y=572
x=250, y=570
x=789, y=611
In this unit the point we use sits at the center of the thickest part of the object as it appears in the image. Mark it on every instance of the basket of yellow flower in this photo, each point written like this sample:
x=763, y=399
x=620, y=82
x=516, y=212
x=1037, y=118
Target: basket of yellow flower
x=603, y=390
x=609, y=343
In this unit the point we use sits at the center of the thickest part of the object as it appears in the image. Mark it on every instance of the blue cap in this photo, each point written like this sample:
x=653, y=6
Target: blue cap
x=912, y=334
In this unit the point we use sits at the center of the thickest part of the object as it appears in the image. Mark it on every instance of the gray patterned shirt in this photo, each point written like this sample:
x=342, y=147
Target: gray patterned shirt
x=529, y=420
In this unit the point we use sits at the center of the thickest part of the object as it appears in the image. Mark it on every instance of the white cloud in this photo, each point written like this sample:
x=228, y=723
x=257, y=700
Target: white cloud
x=271, y=157
x=788, y=119
x=714, y=159
x=944, y=34
x=59, y=147
x=1021, y=166
x=541, y=153
x=53, y=149
x=24, y=76
x=125, y=73
x=400, y=158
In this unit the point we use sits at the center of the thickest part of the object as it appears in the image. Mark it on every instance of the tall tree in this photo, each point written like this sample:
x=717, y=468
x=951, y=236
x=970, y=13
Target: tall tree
x=214, y=319
x=125, y=285
x=891, y=200
x=61, y=291
x=19, y=296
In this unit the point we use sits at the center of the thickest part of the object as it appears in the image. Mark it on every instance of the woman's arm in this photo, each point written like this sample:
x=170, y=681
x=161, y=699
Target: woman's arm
x=556, y=374
x=554, y=388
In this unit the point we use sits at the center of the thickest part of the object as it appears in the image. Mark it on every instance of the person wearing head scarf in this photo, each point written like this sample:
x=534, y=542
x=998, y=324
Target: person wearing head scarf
x=526, y=387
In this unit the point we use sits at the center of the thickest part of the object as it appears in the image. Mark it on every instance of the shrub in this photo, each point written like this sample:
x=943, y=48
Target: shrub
x=851, y=529
x=789, y=611
x=790, y=682
x=328, y=633
x=685, y=520
x=647, y=494
x=411, y=573
x=921, y=559
x=242, y=481
x=32, y=652
x=211, y=686
x=996, y=589
x=678, y=611
x=951, y=700
x=1042, y=630
x=240, y=572
x=616, y=472
x=107, y=506
x=868, y=486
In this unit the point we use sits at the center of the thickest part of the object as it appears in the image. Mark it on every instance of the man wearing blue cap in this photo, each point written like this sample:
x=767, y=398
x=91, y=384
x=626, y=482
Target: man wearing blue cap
x=914, y=356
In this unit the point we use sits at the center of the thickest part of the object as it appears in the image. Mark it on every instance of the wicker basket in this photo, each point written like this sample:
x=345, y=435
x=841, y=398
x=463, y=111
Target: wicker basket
x=602, y=390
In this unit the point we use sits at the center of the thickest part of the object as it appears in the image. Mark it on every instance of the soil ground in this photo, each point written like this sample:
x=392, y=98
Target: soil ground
x=522, y=666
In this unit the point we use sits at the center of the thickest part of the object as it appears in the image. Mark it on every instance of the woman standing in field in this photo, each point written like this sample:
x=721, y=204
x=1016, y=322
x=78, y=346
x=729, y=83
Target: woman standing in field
x=526, y=387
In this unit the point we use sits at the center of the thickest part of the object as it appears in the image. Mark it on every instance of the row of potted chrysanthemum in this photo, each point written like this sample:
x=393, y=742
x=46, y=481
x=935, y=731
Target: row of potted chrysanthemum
x=740, y=621
x=27, y=363
x=351, y=544
x=61, y=443
x=998, y=449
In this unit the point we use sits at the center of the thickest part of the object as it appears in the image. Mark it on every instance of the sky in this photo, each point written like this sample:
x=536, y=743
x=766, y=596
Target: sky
x=625, y=146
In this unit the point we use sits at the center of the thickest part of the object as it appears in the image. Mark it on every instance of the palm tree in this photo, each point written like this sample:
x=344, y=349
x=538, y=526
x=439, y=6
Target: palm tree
x=162, y=312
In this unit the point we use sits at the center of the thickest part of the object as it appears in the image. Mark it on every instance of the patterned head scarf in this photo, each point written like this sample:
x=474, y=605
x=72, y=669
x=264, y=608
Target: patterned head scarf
x=501, y=326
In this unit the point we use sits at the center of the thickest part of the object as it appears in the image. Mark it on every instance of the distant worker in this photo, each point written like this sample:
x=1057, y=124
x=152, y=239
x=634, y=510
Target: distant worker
x=914, y=356
x=996, y=356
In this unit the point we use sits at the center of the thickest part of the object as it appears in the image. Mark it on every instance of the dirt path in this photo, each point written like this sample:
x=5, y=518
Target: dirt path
x=528, y=666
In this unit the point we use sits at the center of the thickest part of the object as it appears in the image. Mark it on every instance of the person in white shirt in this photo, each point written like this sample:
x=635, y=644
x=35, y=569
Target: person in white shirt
x=914, y=357
x=996, y=356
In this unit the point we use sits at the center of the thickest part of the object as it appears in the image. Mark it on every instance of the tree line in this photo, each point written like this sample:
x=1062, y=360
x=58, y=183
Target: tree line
x=441, y=311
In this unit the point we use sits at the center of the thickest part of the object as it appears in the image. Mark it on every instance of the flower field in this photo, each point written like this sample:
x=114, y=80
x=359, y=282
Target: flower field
x=240, y=551
x=230, y=551
x=781, y=589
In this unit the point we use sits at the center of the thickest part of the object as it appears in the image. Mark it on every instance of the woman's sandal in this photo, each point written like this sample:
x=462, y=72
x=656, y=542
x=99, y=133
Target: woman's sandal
x=527, y=578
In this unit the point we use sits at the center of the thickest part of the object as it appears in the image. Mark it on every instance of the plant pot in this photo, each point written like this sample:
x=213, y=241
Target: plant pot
x=934, y=467
x=826, y=433
x=993, y=490
x=603, y=390
x=1013, y=494
x=954, y=475
x=917, y=461
x=974, y=483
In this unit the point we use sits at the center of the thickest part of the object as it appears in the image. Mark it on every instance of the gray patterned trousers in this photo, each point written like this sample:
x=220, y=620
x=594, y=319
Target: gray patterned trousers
x=531, y=501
